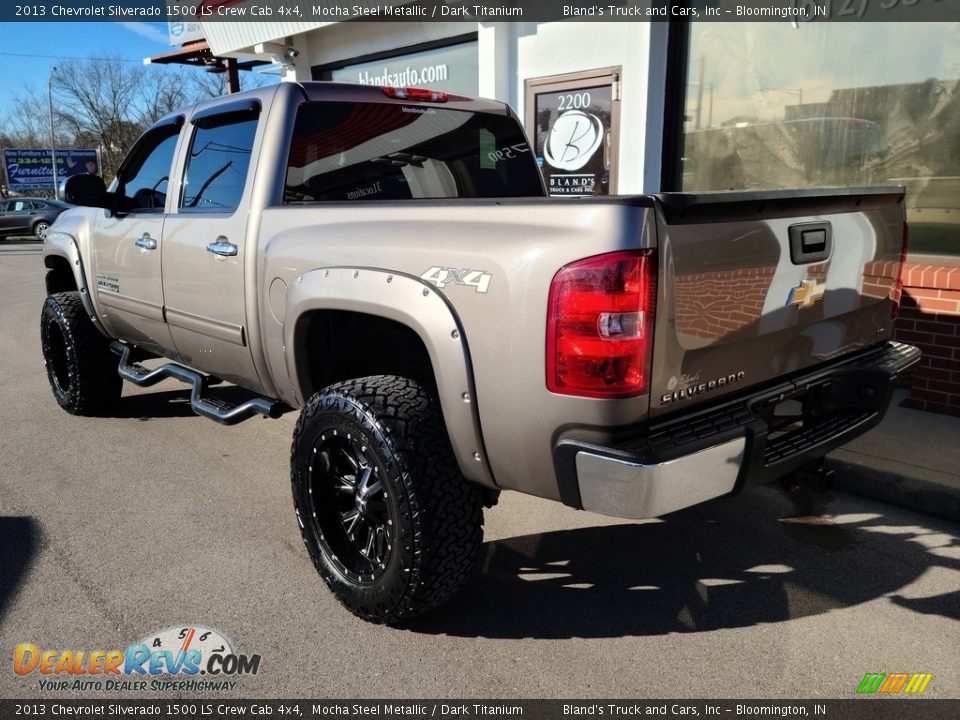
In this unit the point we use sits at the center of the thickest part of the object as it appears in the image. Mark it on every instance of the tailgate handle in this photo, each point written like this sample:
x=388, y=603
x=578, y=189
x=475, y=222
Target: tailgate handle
x=810, y=242
x=813, y=241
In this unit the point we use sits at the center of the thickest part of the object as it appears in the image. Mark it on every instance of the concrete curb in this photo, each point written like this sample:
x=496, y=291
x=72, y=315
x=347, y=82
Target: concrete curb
x=896, y=486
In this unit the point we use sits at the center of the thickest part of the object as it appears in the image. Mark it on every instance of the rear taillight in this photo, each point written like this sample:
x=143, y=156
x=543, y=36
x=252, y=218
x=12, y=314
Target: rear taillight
x=600, y=325
x=410, y=93
x=898, y=290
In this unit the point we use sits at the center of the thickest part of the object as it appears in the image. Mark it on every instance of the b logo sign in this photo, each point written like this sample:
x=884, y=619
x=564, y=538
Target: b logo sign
x=573, y=140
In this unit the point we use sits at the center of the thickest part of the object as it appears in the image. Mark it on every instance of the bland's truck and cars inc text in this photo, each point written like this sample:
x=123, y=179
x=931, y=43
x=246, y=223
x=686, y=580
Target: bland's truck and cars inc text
x=385, y=262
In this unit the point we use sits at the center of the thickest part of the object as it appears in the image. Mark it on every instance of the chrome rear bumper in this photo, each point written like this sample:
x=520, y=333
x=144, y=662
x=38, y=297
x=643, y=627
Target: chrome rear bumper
x=731, y=445
x=610, y=486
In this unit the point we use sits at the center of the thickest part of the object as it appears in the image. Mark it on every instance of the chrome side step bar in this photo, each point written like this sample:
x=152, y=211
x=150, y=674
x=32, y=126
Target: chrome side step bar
x=212, y=408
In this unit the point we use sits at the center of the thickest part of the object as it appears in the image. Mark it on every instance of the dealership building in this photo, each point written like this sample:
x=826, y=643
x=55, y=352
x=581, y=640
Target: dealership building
x=677, y=105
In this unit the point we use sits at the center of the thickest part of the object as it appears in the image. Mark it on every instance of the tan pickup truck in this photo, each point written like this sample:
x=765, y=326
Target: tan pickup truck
x=384, y=260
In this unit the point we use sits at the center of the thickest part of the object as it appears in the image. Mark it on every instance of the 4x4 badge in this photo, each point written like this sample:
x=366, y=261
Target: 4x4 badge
x=441, y=276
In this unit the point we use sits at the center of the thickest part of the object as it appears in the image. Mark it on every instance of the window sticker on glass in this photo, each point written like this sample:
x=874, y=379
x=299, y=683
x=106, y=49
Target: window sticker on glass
x=509, y=152
x=571, y=140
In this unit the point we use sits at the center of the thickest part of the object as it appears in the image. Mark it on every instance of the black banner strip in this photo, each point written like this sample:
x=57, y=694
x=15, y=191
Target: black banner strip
x=313, y=11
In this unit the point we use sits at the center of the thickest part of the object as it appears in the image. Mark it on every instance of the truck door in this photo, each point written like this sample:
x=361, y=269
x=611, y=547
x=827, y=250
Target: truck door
x=127, y=242
x=205, y=249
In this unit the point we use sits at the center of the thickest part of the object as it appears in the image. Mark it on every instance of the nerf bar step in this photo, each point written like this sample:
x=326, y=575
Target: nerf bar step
x=211, y=408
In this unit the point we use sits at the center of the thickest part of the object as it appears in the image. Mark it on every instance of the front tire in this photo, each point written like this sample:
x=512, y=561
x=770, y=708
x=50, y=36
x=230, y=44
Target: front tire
x=391, y=524
x=80, y=366
x=41, y=229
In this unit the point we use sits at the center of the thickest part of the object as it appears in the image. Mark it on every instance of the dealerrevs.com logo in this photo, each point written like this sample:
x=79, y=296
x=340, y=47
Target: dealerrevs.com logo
x=184, y=658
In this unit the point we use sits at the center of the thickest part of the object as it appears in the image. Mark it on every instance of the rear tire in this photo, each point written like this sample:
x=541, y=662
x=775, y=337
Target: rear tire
x=390, y=523
x=81, y=368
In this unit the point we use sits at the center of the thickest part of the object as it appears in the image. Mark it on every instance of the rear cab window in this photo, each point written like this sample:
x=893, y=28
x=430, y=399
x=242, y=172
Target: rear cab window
x=344, y=151
x=217, y=165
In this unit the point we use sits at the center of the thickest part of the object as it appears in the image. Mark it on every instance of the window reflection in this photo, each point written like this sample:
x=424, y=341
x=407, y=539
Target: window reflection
x=770, y=105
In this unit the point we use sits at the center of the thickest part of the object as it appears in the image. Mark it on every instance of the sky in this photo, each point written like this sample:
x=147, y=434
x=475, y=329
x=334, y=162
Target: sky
x=30, y=49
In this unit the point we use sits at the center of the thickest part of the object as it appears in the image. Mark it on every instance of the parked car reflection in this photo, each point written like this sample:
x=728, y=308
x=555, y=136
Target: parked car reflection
x=29, y=216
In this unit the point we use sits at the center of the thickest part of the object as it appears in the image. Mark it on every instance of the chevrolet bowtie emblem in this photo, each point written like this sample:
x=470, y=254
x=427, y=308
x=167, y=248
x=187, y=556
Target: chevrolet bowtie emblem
x=806, y=294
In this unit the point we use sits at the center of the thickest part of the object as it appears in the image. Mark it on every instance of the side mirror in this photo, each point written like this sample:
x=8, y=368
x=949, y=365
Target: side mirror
x=86, y=190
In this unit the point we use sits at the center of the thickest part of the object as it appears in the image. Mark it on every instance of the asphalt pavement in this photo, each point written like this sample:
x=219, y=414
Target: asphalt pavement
x=113, y=528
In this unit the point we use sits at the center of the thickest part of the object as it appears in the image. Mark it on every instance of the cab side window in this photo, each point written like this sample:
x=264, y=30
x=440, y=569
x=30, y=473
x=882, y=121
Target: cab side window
x=217, y=165
x=146, y=177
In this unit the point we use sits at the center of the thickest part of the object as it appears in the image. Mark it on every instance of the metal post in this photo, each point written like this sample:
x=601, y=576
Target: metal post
x=53, y=144
x=233, y=76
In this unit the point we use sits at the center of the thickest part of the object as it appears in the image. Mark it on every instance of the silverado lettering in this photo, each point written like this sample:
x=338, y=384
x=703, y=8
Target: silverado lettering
x=692, y=390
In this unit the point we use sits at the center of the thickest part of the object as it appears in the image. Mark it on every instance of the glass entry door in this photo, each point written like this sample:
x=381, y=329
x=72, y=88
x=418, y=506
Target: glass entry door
x=574, y=122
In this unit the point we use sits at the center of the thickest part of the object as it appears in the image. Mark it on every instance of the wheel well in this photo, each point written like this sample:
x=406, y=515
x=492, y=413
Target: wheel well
x=59, y=275
x=340, y=345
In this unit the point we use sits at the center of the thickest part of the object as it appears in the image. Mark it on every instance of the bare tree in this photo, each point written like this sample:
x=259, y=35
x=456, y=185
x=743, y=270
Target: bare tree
x=206, y=84
x=106, y=102
x=25, y=124
x=162, y=90
x=101, y=98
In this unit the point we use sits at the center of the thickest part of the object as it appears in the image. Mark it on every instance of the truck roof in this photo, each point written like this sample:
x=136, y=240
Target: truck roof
x=318, y=90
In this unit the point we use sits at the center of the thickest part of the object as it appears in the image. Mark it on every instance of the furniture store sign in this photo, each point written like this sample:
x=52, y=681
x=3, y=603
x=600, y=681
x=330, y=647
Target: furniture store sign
x=32, y=169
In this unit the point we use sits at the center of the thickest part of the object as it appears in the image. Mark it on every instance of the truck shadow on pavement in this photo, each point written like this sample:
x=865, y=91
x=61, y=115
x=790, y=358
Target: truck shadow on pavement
x=171, y=403
x=761, y=558
x=19, y=543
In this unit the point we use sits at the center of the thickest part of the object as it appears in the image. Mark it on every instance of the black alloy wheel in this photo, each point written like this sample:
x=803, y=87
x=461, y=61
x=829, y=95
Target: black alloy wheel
x=349, y=505
x=391, y=524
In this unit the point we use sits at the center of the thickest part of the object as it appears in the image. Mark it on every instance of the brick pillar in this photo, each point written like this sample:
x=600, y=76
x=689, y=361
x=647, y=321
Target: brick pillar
x=930, y=319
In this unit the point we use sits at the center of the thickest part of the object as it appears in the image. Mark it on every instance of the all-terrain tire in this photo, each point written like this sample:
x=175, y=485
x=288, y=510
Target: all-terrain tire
x=429, y=520
x=80, y=366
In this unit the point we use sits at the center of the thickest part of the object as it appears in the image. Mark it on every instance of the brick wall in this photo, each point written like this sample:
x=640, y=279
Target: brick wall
x=930, y=319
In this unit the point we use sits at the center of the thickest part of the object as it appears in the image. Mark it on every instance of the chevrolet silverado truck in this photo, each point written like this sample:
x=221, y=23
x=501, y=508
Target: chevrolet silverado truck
x=385, y=260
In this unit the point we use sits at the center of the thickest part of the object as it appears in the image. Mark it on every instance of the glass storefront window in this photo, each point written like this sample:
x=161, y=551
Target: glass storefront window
x=770, y=105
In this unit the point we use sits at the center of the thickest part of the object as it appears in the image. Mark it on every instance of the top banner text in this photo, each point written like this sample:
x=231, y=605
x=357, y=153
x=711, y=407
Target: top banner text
x=307, y=12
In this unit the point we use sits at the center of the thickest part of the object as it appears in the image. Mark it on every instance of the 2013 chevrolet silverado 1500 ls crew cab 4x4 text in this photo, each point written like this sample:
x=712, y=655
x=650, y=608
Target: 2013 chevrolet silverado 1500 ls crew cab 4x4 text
x=384, y=259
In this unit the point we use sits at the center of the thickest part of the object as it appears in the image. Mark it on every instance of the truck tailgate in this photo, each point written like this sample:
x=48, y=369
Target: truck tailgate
x=755, y=286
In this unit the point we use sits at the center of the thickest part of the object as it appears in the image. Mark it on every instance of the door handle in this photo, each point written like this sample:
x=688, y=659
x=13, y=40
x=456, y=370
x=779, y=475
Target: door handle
x=222, y=247
x=146, y=242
